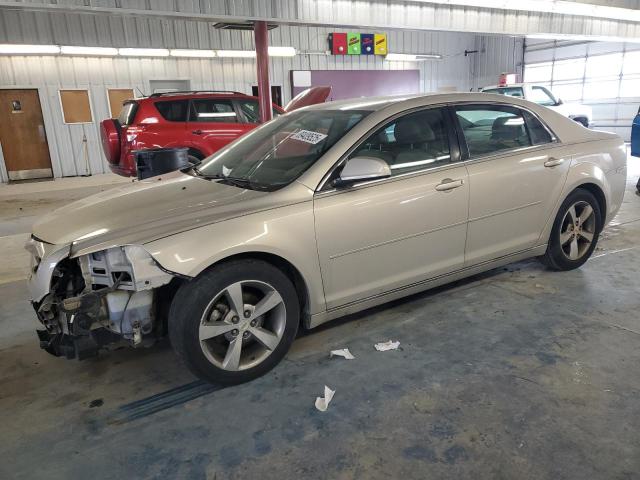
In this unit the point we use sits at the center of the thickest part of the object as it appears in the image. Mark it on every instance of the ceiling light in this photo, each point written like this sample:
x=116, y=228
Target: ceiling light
x=143, y=52
x=282, y=51
x=99, y=51
x=273, y=52
x=9, y=49
x=580, y=38
x=178, y=52
x=411, y=57
x=236, y=53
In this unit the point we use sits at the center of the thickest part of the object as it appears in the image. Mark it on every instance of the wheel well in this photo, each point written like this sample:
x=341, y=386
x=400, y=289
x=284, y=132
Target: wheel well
x=597, y=192
x=288, y=269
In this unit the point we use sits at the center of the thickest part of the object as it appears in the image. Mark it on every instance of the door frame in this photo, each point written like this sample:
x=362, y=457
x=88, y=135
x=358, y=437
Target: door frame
x=4, y=174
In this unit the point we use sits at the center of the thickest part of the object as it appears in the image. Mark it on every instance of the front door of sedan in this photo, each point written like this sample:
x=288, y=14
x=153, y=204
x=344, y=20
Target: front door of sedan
x=517, y=170
x=387, y=234
x=213, y=123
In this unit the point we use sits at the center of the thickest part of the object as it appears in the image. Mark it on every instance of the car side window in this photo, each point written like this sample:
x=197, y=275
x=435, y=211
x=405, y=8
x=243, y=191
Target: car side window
x=173, y=110
x=251, y=110
x=542, y=96
x=413, y=142
x=206, y=110
x=492, y=128
x=538, y=133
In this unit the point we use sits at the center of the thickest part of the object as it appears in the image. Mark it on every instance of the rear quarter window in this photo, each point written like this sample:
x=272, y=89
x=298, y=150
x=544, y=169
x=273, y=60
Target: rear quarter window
x=127, y=113
x=173, y=110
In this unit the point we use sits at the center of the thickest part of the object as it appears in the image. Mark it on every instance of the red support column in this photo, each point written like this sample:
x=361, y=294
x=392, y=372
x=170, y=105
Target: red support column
x=261, y=36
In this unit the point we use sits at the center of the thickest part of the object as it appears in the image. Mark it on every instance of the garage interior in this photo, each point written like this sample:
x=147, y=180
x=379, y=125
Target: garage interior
x=515, y=373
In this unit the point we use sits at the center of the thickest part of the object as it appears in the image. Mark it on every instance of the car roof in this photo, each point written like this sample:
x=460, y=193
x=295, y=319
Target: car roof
x=196, y=94
x=375, y=104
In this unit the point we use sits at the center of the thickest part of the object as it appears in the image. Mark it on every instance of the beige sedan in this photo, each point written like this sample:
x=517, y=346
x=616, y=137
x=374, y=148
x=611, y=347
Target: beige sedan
x=322, y=212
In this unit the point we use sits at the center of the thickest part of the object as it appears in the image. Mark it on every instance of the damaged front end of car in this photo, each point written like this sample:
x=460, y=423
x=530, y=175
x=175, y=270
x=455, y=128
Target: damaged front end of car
x=100, y=299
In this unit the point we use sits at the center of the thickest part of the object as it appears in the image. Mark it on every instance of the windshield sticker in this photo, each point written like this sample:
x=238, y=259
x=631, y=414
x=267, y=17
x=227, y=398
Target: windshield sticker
x=309, y=137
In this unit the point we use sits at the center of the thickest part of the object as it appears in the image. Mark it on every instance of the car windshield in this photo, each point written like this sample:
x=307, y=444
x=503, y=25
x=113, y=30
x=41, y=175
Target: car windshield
x=278, y=152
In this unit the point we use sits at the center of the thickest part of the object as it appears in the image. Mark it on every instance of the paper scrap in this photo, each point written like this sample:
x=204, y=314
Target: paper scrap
x=384, y=346
x=308, y=136
x=344, y=352
x=323, y=403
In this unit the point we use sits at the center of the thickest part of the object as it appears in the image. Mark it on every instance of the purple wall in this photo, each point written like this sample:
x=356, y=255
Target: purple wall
x=364, y=83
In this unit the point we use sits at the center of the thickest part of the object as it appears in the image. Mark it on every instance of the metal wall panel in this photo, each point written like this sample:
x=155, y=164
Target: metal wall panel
x=49, y=74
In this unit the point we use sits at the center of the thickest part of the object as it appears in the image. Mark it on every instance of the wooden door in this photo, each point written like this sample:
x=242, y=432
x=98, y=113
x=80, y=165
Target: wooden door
x=22, y=135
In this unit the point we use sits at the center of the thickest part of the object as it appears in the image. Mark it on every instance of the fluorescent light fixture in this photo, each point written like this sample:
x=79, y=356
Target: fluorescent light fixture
x=9, y=49
x=273, y=52
x=411, y=57
x=581, y=38
x=143, y=52
x=179, y=52
x=236, y=53
x=282, y=52
x=89, y=51
x=561, y=7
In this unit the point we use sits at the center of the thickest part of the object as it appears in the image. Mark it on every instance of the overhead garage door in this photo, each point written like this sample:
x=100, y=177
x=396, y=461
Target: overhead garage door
x=603, y=75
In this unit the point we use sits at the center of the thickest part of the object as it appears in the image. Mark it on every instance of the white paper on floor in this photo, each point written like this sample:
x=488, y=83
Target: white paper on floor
x=344, y=352
x=323, y=403
x=384, y=346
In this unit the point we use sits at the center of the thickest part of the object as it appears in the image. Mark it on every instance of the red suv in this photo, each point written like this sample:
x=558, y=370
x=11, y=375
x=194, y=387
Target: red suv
x=203, y=122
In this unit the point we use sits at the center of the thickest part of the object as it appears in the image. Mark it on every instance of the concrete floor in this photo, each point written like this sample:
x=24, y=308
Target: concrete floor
x=516, y=373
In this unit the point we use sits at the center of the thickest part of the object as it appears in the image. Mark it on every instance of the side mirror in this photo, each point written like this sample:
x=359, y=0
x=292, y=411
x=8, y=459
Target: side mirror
x=361, y=169
x=559, y=101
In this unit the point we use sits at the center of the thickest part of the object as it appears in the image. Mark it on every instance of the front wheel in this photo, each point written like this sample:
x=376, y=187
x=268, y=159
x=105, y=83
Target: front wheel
x=575, y=231
x=235, y=322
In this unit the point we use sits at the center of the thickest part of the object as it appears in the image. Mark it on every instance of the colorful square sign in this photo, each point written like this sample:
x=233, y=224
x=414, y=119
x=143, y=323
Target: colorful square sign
x=366, y=44
x=380, y=42
x=338, y=43
x=353, y=43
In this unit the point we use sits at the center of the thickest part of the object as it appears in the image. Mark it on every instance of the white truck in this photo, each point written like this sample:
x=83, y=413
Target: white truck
x=542, y=96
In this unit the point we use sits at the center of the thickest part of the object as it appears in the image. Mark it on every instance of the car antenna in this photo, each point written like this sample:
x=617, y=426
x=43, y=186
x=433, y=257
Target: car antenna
x=142, y=94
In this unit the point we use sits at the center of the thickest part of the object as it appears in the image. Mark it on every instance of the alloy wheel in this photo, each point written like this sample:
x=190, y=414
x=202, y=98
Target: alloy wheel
x=242, y=325
x=577, y=230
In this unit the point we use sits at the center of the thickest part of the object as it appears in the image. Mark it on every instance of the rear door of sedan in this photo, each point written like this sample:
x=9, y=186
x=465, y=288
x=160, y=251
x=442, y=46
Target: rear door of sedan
x=517, y=169
x=387, y=234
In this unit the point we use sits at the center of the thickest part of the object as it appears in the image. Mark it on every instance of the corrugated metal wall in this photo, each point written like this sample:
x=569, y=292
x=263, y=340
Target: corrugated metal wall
x=49, y=74
x=613, y=94
x=381, y=14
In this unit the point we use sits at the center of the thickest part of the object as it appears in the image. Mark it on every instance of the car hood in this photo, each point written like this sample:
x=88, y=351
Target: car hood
x=144, y=211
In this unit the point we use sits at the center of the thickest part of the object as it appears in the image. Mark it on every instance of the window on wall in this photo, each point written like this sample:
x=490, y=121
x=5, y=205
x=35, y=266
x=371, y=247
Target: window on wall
x=76, y=107
x=538, y=72
x=604, y=65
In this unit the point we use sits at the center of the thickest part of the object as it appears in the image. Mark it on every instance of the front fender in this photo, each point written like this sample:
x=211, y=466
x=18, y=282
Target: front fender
x=287, y=232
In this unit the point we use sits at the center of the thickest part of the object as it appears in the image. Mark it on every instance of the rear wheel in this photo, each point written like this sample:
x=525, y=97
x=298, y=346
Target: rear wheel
x=234, y=322
x=575, y=231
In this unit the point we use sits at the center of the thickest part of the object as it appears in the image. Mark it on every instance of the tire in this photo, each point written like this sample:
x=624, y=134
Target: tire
x=571, y=243
x=236, y=346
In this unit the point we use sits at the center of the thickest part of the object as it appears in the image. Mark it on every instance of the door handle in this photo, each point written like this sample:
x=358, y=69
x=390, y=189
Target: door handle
x=197, y=132
x=553, y=162
x=448, y=184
